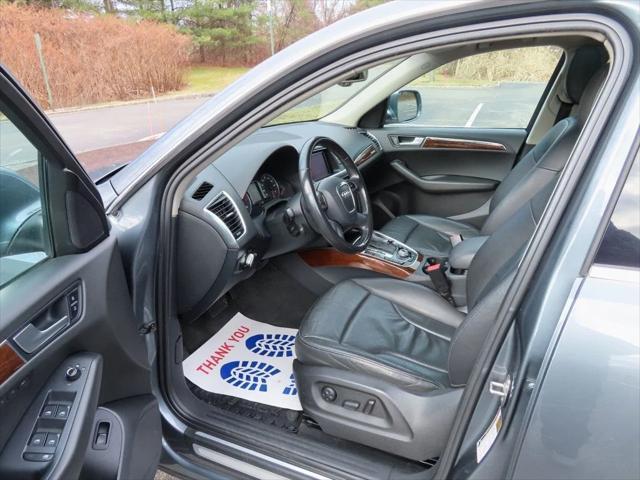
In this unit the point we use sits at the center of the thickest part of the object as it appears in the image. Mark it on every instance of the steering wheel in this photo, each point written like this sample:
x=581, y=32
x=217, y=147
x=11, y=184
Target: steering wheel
x=338, y=204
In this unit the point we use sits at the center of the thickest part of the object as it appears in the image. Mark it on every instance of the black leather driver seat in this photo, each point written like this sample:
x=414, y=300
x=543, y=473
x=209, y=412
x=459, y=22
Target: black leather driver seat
x=381, y=361
x=432, y=235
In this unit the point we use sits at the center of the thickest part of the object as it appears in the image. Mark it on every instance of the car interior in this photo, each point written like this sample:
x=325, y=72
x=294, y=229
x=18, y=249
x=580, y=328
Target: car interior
x=387, y=244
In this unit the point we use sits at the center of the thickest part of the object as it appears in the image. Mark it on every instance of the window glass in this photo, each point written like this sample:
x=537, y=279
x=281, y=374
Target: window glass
x=621, y=242
x=330, y=99
x=490, y=90
x=22, y=237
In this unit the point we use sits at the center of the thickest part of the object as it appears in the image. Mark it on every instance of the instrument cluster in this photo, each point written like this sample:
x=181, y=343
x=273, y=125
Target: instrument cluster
x=265, y=189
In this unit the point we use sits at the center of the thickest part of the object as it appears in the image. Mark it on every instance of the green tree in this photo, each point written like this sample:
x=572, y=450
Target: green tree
x=218, y=26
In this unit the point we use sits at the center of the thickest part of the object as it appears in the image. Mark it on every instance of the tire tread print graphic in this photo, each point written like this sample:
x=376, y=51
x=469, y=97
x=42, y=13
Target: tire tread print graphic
x=248, y=375
x=292, y=388
x=271, y=344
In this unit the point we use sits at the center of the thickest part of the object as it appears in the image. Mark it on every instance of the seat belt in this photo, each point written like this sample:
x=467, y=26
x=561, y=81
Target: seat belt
x=435, y=271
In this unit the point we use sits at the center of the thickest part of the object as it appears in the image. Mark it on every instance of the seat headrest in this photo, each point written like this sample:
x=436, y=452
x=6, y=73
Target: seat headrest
x=590, y=93
x=585, y=61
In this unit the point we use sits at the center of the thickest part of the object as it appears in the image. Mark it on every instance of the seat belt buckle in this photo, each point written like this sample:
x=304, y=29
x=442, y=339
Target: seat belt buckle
x=435, y=271
x=455, y=239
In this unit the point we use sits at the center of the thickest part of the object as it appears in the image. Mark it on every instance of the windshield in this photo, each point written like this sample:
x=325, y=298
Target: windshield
x=332, y=98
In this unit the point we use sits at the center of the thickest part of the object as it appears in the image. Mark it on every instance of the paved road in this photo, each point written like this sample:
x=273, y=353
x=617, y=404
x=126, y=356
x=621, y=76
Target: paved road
x=110, y=135
x=87, y=130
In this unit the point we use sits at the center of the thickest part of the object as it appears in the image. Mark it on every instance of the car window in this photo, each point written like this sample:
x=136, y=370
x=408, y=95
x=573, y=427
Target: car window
x=22, y=236
x=490, y=90
x=621, y=242
x=332, y=98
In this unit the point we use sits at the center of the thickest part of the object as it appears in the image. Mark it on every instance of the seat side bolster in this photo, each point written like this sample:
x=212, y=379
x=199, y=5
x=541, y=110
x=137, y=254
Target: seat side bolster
x=413, y=297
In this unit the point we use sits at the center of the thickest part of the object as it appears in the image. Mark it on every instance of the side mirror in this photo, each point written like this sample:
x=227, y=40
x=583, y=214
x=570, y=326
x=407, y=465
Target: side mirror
x=403, y=106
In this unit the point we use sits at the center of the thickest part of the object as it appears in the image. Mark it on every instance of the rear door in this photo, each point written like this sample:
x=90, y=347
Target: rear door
x=472, y=123
x=74, y=377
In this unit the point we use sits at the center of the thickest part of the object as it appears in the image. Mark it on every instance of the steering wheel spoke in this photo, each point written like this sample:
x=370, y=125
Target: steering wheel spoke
x=355, y=182
x=337, y=228
x=361, y=221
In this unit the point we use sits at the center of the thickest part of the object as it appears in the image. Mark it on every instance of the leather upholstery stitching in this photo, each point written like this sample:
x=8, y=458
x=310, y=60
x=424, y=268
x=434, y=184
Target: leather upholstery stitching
x=376, y=365
x=424, y=329
x=353, y=315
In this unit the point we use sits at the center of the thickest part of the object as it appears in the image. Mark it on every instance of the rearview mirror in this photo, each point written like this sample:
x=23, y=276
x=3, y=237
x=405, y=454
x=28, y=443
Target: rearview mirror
x=403, y=106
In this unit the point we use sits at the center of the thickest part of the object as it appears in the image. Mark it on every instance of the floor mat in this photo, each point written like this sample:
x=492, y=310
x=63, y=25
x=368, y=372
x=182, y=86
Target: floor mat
x=249, y=360
x=270, y=295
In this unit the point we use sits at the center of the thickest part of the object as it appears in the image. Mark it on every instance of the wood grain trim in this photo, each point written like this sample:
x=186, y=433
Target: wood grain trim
x=10, y=361
x=365, y=155
x=462, y=144
x=330, y=257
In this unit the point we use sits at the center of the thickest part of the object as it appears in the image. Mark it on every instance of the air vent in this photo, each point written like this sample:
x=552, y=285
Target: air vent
x=373, y=139
x=202, y=190
x=224, y=208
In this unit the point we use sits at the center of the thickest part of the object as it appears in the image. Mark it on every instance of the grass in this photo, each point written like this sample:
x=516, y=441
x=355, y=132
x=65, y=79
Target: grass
x=440, y=80
x=208, y=79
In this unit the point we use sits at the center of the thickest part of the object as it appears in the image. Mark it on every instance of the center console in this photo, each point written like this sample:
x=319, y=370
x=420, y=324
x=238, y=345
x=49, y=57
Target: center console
x=391, y=250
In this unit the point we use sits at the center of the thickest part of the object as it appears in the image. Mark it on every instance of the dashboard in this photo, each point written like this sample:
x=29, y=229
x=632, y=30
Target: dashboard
x=277, y=179
x=238, y=211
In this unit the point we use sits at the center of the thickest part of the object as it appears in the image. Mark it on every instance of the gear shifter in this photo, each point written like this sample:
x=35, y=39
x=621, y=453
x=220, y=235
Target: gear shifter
x=390, y=250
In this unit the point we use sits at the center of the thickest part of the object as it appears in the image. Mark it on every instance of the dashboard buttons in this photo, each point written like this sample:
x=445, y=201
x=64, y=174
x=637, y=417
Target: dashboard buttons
x=248, y=261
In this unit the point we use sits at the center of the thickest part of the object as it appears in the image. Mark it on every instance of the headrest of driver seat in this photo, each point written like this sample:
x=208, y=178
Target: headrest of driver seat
x=585, y=62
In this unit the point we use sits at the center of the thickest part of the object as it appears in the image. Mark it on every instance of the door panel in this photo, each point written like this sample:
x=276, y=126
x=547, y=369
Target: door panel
x=442, y=171
x=74, y=372
x=105, y=327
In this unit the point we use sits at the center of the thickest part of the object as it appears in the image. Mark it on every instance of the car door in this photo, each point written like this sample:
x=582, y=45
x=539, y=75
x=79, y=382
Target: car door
x=452, y=135
x=74, y=374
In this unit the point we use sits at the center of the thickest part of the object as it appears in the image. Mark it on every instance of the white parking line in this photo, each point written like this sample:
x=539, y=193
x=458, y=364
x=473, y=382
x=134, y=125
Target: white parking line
x=474, y=114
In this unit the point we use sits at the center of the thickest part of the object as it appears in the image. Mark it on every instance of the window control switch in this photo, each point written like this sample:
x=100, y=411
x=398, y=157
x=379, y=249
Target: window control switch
x=38, y=439
x=62, y=411
x=52, y=440
x=49, y=411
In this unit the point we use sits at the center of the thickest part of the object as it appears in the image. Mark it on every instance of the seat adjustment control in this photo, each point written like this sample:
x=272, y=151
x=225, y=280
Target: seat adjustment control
x=351, y=404
x=328, y=394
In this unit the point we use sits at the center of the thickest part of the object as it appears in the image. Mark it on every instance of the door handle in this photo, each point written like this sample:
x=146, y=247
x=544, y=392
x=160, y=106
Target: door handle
x=31, y=338
x=406, y=140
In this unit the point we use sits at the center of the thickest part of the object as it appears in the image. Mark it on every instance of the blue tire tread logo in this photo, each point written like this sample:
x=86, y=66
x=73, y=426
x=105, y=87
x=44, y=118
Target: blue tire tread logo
x=292, y=388
x=248, y=375
x=271, y=344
